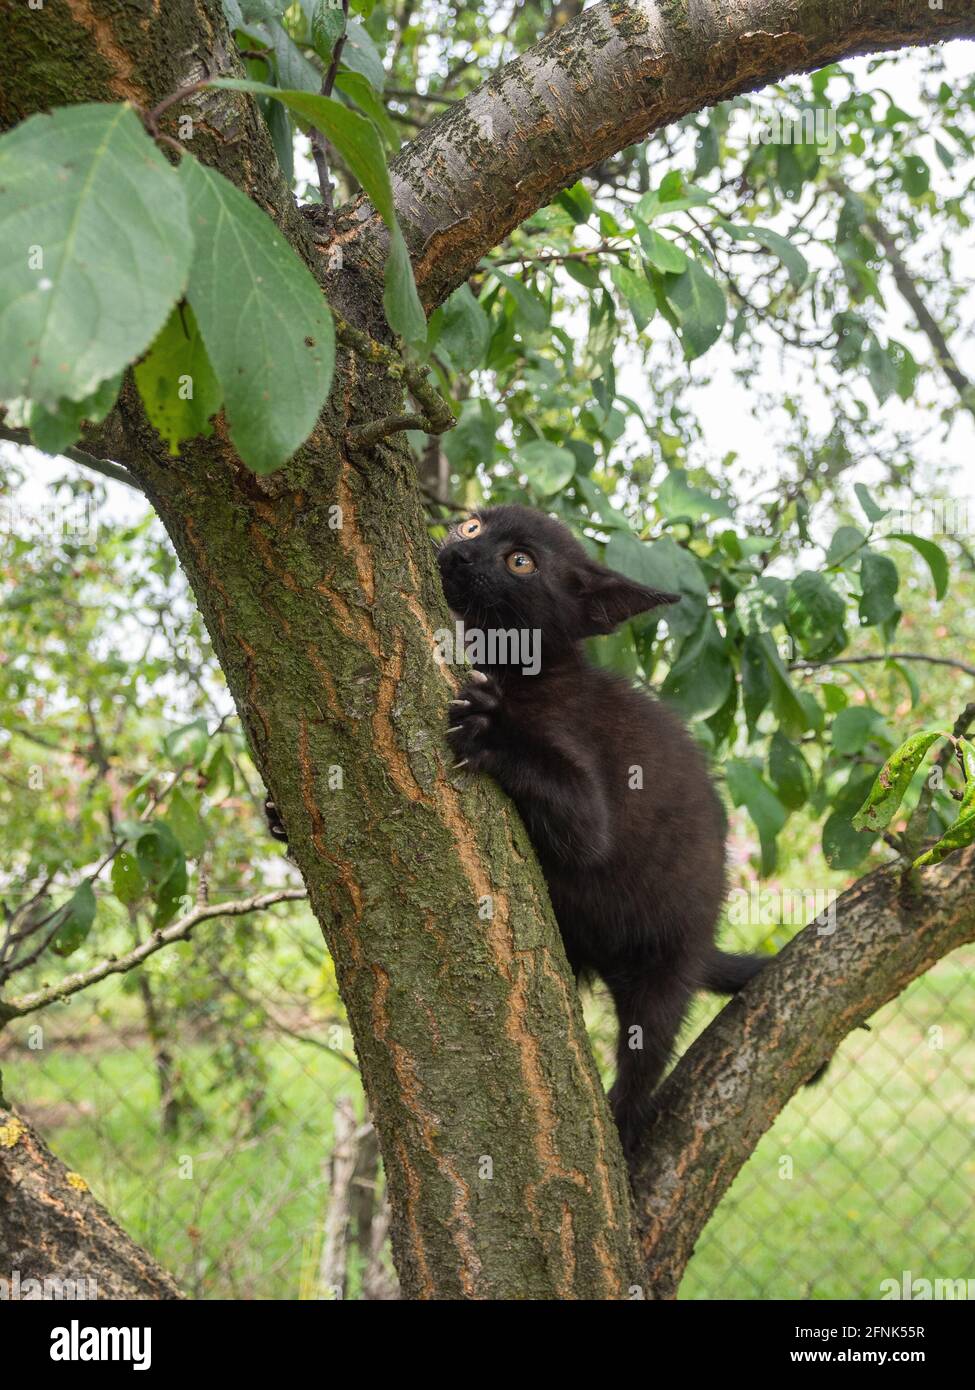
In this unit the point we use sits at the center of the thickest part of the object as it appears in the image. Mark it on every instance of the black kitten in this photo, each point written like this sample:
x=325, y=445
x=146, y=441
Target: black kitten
x=614, y=793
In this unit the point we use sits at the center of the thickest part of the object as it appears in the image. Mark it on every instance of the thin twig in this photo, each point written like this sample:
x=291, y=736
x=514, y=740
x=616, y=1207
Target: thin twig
x=885, y=656
x=319, y=145
x=176, y=931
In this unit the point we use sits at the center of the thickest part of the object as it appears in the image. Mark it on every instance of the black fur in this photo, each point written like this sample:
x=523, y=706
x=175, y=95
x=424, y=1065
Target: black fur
x=636, y=873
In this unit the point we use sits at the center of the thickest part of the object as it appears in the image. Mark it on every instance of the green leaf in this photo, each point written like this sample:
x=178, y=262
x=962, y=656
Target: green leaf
x=878, y=583
x=358, y=142
x=97, y=249
x=881, y=369
x=788, y=707
x=663, y=255
x=293, y=68
x=756, y=680
x=788, y=771
x=847, y=541
x=187, y=745
x=531, y=307
x=872, y=511
x=219, y=774
x=959, y=834
x=747, y=788
x=176, y=381
x=843, y=846
x=77, y=921
x=127, y=881
x=577, y=202
x=327, y=25
x=699, y=304
x=157, y=850
x=699, y=681
x=915, y=176
x=853, y=728
x=547, y=466
x=264, y=321
x=171, y=894
x=937, y=560
x=55, y=430
x=362, y=56
x=638, y=293
x=817, y=615
x=183, y=819
x=404, y=312
x=793, y=259
x=473, y=438
x=893, y=780
x=677, y=497
x=460, y=330
x=364, y=95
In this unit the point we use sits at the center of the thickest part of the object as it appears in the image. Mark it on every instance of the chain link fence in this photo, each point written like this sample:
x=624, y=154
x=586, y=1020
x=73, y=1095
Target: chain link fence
x=223, y=1125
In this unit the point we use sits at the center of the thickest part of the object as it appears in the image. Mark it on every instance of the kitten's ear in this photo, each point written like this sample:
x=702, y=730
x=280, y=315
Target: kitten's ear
x=609, y=599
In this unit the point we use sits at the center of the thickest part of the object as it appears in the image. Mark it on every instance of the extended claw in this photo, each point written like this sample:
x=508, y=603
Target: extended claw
x=461, y=703
x=462, y=763
x=479, y=677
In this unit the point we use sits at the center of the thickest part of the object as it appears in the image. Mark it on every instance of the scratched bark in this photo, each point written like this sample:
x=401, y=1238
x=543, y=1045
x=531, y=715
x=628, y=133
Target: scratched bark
x=471, y=1041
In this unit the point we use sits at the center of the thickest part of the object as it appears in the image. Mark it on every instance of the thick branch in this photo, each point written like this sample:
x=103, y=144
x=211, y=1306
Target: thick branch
x=51, y=1227
x=731, y=1084
x=600, y=82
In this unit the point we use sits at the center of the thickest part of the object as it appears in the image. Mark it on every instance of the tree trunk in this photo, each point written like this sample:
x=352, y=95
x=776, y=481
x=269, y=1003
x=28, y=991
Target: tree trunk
x=51, y=1227
x=319, y=592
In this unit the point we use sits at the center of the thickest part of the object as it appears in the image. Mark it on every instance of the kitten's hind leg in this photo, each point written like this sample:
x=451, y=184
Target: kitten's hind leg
x=650, y=1009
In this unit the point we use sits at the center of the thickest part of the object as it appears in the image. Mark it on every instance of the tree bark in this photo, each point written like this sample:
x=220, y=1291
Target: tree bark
x=51, y=1227
x=503, y=1166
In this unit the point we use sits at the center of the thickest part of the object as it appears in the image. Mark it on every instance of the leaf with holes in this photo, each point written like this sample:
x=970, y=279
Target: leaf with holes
x=893, y=780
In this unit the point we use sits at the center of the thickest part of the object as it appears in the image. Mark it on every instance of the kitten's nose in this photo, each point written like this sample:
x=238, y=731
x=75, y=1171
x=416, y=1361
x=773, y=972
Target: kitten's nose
x=454, y=555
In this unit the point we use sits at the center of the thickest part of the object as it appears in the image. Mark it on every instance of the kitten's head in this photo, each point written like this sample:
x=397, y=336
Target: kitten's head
x=511, y=567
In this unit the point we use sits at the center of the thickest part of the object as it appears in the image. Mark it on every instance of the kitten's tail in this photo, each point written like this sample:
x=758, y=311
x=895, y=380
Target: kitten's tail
x=725, y=973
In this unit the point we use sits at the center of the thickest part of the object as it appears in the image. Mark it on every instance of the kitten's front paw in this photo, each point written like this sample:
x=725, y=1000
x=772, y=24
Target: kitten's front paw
x=473, y=717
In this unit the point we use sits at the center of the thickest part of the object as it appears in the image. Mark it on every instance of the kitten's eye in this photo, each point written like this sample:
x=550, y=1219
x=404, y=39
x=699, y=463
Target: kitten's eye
x=520, y=563
x=469, y=528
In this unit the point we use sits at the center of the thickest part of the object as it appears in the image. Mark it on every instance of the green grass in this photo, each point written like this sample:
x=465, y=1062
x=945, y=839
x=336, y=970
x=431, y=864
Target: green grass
x=881, y=1161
